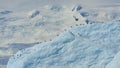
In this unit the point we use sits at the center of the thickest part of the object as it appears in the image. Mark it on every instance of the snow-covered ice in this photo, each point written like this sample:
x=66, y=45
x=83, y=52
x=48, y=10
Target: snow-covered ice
x=85, y=46
x=24, y=23
x=115, y=63
x=34, y=13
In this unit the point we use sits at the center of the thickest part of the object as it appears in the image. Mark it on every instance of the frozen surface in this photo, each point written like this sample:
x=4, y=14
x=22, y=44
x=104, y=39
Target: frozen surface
x=24, y=23
x=85, y=46
x=41, y=24
x=115, y=63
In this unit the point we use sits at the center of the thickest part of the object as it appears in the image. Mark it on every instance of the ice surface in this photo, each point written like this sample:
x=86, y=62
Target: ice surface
x=84, y=14
x=5, y=12
x=77, y=8
x=115, y=63
x=56, y=8
x=34, y=13
x=85, y=46
x=33, y=23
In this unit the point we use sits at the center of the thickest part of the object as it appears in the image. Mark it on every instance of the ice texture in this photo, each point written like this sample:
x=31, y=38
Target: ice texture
x=85, y=46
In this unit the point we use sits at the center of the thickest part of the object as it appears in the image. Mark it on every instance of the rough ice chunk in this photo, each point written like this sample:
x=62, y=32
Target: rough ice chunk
x=85, y=46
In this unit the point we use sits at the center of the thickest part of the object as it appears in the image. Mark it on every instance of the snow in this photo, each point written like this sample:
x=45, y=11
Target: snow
x=115, y=63
x=56, y=8
x=24, y=5
x=5, y=12
x=25, y=22
x=84, y=46
x=37, y=25
x=40, y=24
x=34, y=13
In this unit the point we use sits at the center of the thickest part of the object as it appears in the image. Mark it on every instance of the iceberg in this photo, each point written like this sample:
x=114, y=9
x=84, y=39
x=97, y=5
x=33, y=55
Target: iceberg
x=84, y=46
